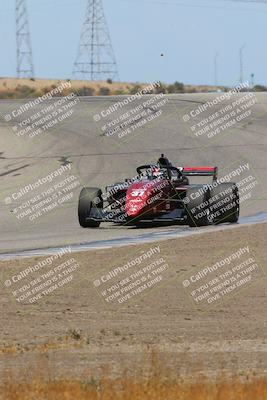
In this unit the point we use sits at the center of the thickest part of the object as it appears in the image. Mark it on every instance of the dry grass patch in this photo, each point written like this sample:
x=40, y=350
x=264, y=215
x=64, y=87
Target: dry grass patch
x=126, y=388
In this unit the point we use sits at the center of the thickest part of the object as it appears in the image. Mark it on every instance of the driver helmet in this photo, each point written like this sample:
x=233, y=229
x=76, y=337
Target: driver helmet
x=164, y=162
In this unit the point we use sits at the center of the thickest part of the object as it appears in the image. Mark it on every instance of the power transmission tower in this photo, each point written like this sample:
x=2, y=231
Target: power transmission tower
x=95, y=59
x=24, y=49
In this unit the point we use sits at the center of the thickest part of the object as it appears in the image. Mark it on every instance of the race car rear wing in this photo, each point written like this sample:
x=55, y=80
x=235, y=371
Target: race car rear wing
x=201, y=171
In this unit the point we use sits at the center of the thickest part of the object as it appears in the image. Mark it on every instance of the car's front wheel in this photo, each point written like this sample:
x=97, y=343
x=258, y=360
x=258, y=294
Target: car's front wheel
x=90, y=204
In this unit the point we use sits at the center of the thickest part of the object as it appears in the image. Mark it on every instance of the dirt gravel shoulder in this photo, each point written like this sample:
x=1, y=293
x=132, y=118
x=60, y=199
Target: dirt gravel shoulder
x=74, y=331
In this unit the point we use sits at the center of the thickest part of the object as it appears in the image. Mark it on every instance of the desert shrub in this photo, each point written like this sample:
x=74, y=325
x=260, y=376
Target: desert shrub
x=260, y=88
x=23, y=91
x=104, y=91
x=85, y=91
x=74, y=334
x=134, y=89
x=191, y=90
x=7, y=94
x=120, y=91
x=47, y=89
x=176, y=87
x=160, y=89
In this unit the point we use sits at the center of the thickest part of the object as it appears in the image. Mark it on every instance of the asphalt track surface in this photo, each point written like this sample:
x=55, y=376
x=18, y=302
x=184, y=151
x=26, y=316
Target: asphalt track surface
x=97, y=160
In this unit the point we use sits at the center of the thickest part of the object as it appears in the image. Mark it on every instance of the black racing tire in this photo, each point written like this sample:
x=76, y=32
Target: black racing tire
x=197, y=206
x=224, y=203
x=87, y=202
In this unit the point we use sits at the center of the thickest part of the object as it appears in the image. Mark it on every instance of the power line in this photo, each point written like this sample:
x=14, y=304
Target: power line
x=194, y=5
x=247, y=1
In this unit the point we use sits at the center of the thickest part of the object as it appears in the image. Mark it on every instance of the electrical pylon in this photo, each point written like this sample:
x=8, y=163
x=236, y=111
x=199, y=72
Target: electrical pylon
x=95, y=59
x=24, y=49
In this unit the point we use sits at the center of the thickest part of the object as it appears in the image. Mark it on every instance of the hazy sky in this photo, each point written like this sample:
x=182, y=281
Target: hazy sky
x=188, y=33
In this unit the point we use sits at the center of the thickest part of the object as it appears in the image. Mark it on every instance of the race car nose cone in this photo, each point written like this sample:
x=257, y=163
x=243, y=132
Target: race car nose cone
x=136, y=199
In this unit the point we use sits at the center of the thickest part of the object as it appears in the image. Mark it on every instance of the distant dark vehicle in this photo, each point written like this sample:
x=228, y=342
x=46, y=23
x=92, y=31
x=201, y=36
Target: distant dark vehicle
x=161, y=193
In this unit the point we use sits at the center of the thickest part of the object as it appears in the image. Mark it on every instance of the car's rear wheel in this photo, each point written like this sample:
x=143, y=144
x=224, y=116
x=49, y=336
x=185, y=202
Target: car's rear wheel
x=90, y=203
x=224, y=203
x=197, y=206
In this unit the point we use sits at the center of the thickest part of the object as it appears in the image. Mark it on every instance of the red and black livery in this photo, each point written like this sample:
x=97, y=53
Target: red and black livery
x=162, y=193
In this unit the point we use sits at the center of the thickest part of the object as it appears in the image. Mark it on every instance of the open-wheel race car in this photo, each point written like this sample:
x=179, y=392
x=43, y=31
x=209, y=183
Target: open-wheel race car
x=161, y=193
